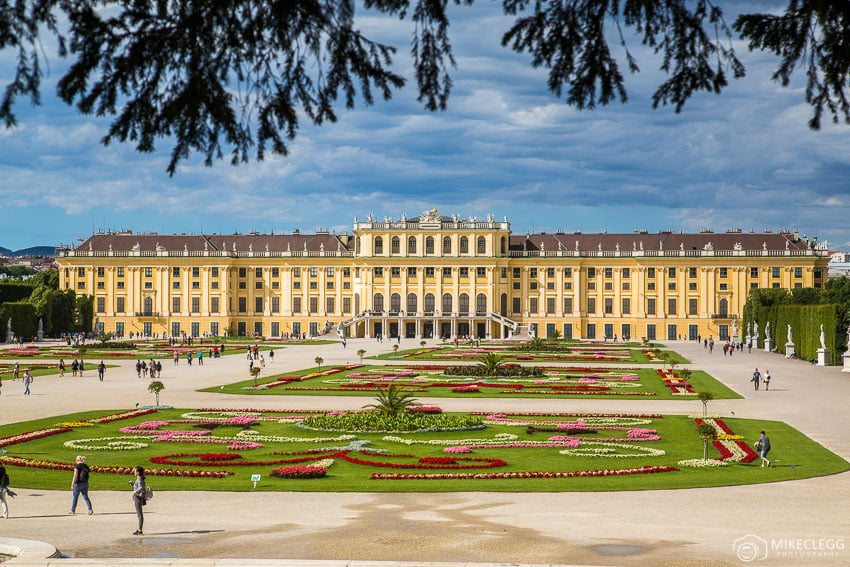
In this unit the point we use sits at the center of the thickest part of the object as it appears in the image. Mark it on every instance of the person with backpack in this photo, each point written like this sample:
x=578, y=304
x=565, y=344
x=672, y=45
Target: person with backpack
x=80, y=484
x=140, y=497
x=4, y=490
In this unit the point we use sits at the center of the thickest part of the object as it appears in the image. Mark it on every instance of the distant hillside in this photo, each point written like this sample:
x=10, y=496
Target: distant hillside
x=31, y=251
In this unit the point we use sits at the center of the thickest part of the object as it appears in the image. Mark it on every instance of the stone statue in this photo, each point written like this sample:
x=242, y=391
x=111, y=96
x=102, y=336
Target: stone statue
x=734, y=329
x=822, y=338
x=848, y=338
x=789, y=339
x=756, y=329
x=9, y=333
x=749, y=329
x=40, y=330
x=767, y=331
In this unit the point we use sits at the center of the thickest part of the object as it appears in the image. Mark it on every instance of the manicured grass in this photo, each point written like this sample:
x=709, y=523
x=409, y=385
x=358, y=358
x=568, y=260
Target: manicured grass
x=426, y=380
x=678, y=439
x=579, y=353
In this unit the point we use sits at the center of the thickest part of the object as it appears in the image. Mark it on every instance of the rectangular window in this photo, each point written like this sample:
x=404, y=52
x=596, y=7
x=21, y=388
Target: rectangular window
x=314, y=285
x=275, y=304
x=591, y=285
x=650, y=306
x=550, y=272
x=101, y=272
x=275, y=329
x=411, y=272
x=296, y=305
x=346, y=285
x=532, y=272
x=481, y=272
x=650, y=273
x=119, y=305
x=196, y=272
x=258, y=284
x=329, y=285
x=214, y=272
x=119, y=285
x=724, y=287
x=627, y=305
x=296, y=285
x=175, y=285
x=101, y=305
x=503, y=273
x=243, y=285
x=775, y=272
x=626, y=273
x=464, y=273
x=609, y=305
x=692, y=272
x=754, y=272
x=314, y=304
x=214, y=304
x=346, y=272
x=258, y=305
x=516, y=304
x=175, y=304
x=243, y=272
x=775, y=285
x=692, y=305
x=346, y=305
x=817, y=274
x=550, y=285
x=214, y=285
x=650, y=286
x=296, y=272
x=568, y=305
x=532, y=285
x=671, y=306
x=148, y=272
x=379, y=272
x=532, y=305
x=671, y=286
x=314, y=272
x=517, y=285
x=120, y=273
x=429, y=272
x=671, y=272
x=517, y=273
x=196, y=285
x=243, y=305
x=591, y=305
x=591, y=273
x=101, y=285
x=329, y=272
x=175, y=272
x=568, y=272
x=692, y=286
x=550, y=305
x=568, y=285
x=275, y=272
x=275, y=285
x=609, y=273
x=214, y=329
x=148, y=285
x=330, y=305
x=798, y=272
x=447, y=272
x=724, y=272
x=609, y=286
x=196, y=304
x=258, y=272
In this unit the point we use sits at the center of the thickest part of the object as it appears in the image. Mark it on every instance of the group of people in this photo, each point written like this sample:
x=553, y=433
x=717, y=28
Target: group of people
x=154, y=368
x=76, y=366
x=80, y=487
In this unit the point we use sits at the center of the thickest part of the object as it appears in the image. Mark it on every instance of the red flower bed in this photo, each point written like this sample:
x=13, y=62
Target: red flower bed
x=300, y=471
x=58, y=466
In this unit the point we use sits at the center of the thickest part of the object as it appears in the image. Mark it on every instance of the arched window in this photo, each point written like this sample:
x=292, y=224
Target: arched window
x=429, y=304
x=447, y=303
x=378, y=302
x=411, y=303
x=395, y=247
x=356, y=303
x=379, y=245
x=463, y=307
x=357, y=246
x=148, y=305
x=464, y=245
x=447, y=245
x=429, y=245
x=504, y=305
x=480, y=304
x=503, y=245
x=482, y=245
x=724, y=307
x=395, y=302
x=411, y=245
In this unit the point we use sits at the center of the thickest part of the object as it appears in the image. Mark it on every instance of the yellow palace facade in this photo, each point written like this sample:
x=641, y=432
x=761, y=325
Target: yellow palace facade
x=433, y=275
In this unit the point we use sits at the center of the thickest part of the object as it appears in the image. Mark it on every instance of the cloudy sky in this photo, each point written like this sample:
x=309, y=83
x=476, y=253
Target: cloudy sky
x=745, y=159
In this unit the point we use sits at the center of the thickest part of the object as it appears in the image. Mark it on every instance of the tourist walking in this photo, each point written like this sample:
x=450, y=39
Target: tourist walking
x=176, y=358
x=200, y=358
x=27, y=382
x=271, y=356
x=100, y=370
x=756, y=378
x=61, y=367
x=4, y=490
x=80, y=484
x=763, y=447
x=766, y=380
x=16, y=370
x=139, y=499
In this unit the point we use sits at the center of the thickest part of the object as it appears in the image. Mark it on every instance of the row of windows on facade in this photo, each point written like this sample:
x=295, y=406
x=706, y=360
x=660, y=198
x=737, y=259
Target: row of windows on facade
x=413, y=243
x=429, y=306
x=313, y=272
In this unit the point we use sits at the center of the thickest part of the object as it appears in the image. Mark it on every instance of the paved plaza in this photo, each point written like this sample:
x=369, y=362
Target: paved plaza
x=646, y=528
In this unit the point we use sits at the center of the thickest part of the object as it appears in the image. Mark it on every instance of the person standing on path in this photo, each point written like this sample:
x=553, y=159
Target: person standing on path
x=100, y=370
x=139, y=500
x=176, y=358
x=767, y=380
x=61, y=367
x=271, y=356
x=27, y=382
x=80, y=484
x=756, y=379
x=200, y=358
x=4, y=490
x=16, y=371
x=763, y=447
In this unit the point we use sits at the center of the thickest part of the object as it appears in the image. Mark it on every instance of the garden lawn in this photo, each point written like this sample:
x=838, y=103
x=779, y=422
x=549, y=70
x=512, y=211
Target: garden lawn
x=245, y=442
x=430, y=381
x=578, y=353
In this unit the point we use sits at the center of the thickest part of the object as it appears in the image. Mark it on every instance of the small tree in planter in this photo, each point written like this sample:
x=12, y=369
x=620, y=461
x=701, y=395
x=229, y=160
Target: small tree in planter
x=708, y=433
x=392, y=401
x=395, y=348
x=361, y=353
x=255, y=371
x=422, y=344
x=155, y=388
x=704, y=397
x=319, y=360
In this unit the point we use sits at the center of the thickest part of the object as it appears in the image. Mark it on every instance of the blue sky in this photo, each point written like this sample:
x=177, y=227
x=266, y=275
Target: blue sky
x=744, y=159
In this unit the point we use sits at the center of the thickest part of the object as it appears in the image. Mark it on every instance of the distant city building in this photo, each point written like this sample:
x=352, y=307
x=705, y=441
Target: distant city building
x=839, y=265
x=435, y=275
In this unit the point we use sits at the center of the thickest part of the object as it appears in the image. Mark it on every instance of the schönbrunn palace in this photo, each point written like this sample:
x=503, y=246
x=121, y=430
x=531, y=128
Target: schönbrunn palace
x=433, y=276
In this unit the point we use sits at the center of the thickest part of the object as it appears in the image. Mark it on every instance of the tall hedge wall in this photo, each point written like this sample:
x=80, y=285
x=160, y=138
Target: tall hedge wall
x=14, y=291
x=805, y=321
x=24, y=321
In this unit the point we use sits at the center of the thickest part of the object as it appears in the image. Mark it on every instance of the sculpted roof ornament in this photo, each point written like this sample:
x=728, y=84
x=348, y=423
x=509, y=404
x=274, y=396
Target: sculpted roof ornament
x=429, y=216
x=738, y=246
x=708, y=246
